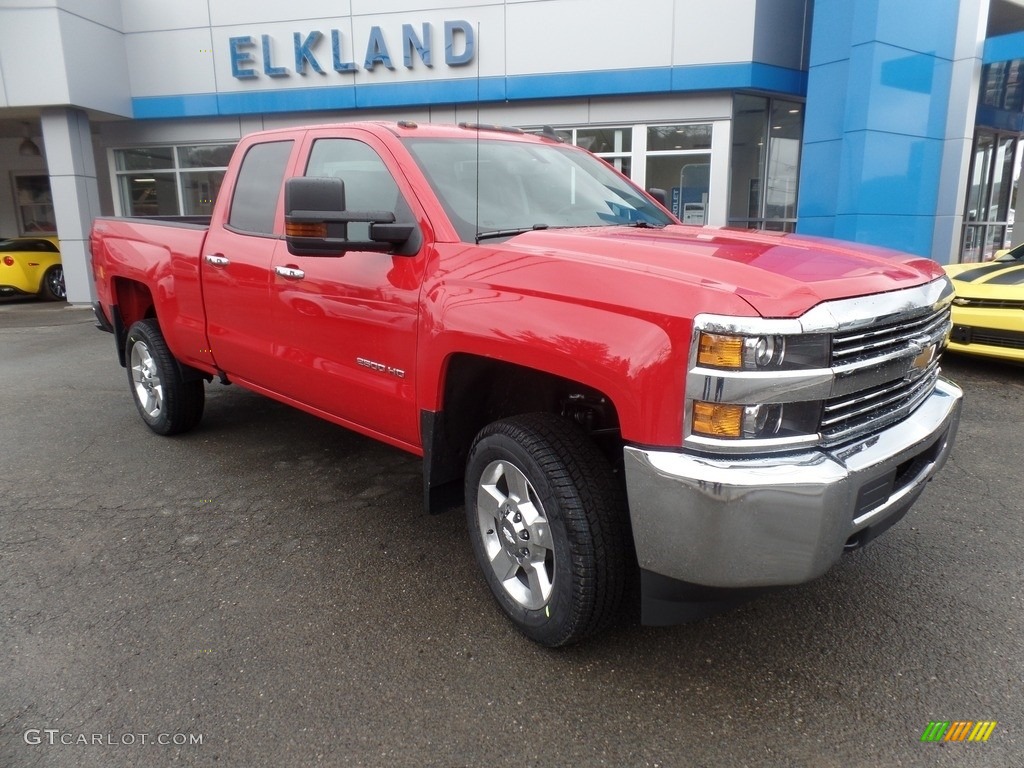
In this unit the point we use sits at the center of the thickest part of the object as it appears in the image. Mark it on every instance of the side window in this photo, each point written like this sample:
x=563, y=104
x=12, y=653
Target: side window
x=258, y=187
x=369, y=185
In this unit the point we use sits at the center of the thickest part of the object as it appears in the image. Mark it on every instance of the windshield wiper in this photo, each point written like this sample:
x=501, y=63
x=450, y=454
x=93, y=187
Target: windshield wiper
x=507, y=232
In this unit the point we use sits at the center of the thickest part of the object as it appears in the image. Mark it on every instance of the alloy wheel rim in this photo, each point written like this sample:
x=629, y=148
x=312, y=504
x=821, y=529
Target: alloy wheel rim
x=55, y=282
x=149, y=390
x=516, y=535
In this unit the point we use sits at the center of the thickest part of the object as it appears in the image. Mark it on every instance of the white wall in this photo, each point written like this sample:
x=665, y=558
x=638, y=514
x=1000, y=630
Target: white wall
x=98, y=54
x=182, y=47
x=63, y=52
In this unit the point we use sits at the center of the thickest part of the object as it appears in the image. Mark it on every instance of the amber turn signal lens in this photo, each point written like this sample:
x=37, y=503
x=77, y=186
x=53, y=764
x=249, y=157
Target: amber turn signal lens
x=717, y=419
x=304, y=229
x=720, y=351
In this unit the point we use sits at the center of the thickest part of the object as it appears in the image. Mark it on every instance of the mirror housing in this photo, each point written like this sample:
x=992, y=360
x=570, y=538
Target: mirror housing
x=660, y=195
x=316, y=222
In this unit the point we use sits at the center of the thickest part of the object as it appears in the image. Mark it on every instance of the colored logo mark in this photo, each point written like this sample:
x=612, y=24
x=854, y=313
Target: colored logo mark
x=959, y=730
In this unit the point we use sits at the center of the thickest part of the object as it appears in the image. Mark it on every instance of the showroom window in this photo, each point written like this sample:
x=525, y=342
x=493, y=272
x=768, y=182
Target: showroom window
x=614, y=144
x=766, y=138
x=679, y=162
x=674, y=158
x=170, y=180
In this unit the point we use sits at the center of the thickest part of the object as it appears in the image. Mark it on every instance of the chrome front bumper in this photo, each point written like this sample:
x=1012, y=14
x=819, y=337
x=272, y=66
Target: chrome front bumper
x=773, y=521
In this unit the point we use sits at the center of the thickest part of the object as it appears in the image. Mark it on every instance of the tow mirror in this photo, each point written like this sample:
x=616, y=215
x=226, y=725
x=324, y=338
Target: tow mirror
x=316, y=222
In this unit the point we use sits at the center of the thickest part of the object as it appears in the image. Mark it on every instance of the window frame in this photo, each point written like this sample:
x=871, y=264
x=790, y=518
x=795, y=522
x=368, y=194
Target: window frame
x=639, y=153
x=43, y=205
x=278, y=185
x=178, y=172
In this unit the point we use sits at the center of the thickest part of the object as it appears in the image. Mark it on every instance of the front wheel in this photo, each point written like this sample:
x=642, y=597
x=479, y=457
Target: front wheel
x=167, y=402
x=548, y=527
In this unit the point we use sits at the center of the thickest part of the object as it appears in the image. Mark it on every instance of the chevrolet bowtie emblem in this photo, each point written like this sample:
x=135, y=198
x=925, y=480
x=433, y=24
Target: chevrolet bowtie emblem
x=922, y=360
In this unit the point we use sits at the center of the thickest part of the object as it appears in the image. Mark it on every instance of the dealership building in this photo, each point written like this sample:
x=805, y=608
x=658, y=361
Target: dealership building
x=889, y=122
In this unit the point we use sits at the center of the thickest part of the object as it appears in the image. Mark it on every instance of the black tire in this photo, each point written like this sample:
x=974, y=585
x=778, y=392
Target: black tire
x=166, y=401
x=563, y=589
x=52, y=287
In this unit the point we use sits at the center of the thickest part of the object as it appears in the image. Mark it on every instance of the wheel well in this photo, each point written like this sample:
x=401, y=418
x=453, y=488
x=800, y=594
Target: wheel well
x=479, y=391
x=132, y=301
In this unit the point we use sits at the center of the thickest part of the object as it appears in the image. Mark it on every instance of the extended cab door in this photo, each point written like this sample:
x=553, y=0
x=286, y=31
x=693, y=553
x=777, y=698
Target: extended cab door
x=237, y=263
x=346, y=325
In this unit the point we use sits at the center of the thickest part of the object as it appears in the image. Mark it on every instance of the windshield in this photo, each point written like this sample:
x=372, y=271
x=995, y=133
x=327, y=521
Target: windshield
x=498, y=188
x=12, y=245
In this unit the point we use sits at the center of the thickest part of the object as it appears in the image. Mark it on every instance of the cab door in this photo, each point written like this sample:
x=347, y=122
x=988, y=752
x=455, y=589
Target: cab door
x=237, y=263
x=346, y=325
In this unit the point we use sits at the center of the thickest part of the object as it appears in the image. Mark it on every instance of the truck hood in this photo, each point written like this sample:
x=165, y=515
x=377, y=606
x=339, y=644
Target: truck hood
x=779, y=275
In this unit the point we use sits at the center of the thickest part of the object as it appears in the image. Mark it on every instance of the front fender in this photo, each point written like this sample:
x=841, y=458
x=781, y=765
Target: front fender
x=633, y=361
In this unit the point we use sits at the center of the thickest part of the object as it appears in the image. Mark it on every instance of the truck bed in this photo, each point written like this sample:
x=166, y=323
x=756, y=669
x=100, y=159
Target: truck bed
x=165, y=253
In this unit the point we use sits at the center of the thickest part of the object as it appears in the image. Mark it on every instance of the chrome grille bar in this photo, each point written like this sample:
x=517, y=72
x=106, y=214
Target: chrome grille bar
x=888, y=336
x=862, y=350
x=841, y=409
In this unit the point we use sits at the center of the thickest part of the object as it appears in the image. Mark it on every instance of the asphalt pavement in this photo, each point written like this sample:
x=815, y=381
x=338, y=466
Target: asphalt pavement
x=266, y=591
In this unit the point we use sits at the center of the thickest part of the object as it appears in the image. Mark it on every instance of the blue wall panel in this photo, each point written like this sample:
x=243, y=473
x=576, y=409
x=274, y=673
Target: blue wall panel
x=819, y=190
x=826, y=118
x=877, y=106
x=901, y=91
x=890, y=174
x=682, y=79
x=925, y=26
x=1004, y=48
x=831, y=32
x=912, y=234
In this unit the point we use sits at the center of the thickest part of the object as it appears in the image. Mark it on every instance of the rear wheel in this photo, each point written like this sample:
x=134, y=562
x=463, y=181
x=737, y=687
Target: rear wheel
x=548, y=527
x=52, y=287
x=167, y=402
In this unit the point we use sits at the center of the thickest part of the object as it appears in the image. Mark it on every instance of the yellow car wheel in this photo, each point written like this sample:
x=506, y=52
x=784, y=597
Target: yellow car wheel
x=52, y=287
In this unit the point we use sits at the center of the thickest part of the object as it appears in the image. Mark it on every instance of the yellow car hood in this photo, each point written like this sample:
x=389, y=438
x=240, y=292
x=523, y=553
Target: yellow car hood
x=994, y=280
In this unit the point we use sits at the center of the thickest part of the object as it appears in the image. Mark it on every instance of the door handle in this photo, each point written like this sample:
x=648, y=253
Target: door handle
x=290, y=272
x=217, y=260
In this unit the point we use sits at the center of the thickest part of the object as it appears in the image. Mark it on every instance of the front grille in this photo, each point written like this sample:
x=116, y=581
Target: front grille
x=870, y=409
x=965, y=334
x=892, y=335
x=897, y=345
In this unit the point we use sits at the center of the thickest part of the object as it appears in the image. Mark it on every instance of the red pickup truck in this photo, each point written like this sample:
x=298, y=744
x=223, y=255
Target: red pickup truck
x=626, y=405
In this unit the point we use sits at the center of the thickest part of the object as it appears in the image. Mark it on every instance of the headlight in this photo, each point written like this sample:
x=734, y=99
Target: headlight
x=762, y=421
x=747, y=352
x=759, y=353
x=756, y=384
x=727, y=420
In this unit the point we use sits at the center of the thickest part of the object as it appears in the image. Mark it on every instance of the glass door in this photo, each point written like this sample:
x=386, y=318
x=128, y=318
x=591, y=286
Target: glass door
x=766, y=139
x=988, y=214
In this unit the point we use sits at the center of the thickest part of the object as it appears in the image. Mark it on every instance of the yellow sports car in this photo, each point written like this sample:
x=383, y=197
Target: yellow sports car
x=31, y=265
x=988, y=310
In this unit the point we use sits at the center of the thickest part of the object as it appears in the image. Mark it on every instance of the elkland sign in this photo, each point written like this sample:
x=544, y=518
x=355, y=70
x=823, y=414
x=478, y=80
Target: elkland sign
x=316, y=51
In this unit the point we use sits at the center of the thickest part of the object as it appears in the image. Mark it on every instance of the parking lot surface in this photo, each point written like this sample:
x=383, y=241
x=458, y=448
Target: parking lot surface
x=266, y=591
